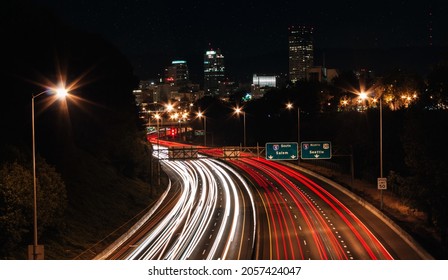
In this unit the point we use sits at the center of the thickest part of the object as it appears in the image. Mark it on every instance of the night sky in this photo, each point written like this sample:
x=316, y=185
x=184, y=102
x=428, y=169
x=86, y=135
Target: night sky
x=152, y=33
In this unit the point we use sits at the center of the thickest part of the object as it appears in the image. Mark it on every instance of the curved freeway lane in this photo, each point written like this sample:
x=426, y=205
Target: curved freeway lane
x=307, y=218
x=206, y=213
x=303, y=220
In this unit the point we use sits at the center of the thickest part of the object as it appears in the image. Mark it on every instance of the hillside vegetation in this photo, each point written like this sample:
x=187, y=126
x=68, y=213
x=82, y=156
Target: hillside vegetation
x=93, y=167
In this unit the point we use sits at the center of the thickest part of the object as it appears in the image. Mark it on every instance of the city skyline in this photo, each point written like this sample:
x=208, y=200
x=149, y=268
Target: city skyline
x=153, y=34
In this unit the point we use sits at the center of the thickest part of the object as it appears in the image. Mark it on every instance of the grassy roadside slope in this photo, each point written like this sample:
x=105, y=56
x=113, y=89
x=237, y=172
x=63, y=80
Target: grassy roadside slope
x=101, y=206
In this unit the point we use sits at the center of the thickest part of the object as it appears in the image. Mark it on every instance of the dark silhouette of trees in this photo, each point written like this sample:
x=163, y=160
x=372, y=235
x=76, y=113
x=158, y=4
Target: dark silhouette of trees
x=436, y=96
x=99, y=122
x=16, y=202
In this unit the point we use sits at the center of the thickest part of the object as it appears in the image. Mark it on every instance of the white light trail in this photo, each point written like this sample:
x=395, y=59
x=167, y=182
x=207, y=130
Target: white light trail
x=182, y=232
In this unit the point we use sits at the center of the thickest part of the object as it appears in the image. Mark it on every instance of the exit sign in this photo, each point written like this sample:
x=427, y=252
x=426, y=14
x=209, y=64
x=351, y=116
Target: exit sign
x=281, y=151
x=315, y=150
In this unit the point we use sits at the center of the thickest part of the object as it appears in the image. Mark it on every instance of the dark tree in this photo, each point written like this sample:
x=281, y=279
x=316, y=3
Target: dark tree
x=436, y=96
x=16, y=203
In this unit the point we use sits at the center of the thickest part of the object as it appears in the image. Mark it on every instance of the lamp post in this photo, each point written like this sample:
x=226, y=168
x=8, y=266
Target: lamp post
x=179, y=120
x=289, y=106
x=363, y=96
x=381, y=149
x=184, y=119
x=200, y=115
x=157, y=117
x=238, y=110
x=37, y=251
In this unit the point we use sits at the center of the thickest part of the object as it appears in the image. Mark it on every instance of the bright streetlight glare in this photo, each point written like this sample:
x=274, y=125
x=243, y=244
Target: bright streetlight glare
x=363, y=95
x=61, y=92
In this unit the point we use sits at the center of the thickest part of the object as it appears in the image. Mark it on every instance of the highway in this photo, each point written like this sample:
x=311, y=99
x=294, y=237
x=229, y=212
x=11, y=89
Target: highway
x=303, y=217
x=253, y=208
x=207, y=212
x=304, y=221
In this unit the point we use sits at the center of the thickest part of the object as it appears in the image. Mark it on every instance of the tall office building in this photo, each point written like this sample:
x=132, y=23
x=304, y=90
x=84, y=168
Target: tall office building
x=300, y=51
x=177, y=73
x=213, y=71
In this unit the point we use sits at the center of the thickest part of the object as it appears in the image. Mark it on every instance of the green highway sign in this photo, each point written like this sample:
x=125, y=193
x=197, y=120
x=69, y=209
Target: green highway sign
x=281, y=151
x=315, y=150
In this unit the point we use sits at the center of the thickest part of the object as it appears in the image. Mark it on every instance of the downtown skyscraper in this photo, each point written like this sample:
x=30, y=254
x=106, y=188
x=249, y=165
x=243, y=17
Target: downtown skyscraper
x=177, y=73
x=301, y=50
x=213, y=71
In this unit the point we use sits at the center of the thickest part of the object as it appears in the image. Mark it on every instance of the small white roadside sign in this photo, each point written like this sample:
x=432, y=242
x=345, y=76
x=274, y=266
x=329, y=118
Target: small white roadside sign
x=382, y=183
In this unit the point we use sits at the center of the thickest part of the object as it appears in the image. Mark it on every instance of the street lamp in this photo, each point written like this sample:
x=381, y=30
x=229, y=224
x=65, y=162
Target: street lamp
x=200, y=115
x=184, y=118
x=169, y=107
x=239, y=111
x=362, y=99
x=177, y=118
x=363, y=96
x=158, y=117
x=289, y=106
x=37, y=251
x=381, y=148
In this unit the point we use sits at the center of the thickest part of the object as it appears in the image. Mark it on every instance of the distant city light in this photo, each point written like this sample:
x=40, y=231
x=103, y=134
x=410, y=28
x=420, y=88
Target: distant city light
x=264, y=81
x=247, y=97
